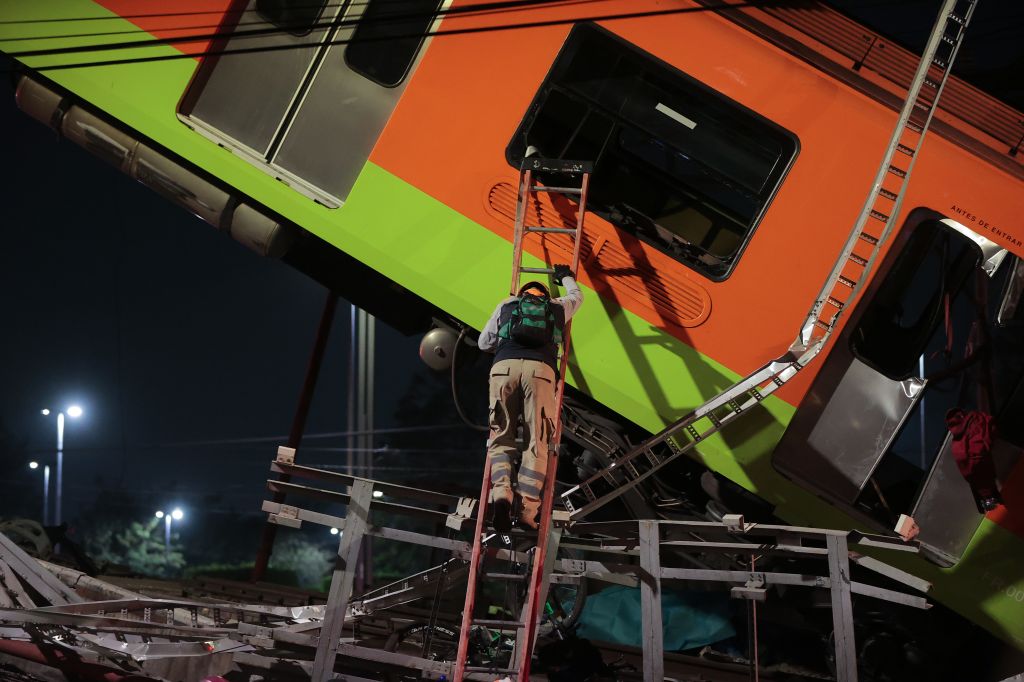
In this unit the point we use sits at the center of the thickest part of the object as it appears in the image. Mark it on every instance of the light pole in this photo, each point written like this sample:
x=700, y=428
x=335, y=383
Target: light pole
x=46, y=490
x=74, y=412
x=176, y=515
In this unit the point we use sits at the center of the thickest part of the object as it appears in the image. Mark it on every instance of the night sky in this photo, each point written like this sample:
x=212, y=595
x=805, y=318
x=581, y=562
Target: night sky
x=165, y=331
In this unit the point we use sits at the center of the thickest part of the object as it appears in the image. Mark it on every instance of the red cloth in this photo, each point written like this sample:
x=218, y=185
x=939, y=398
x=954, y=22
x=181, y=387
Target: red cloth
x=972, y=449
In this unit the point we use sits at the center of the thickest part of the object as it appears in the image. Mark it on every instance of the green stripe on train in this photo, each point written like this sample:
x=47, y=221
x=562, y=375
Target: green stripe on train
x=647, y=376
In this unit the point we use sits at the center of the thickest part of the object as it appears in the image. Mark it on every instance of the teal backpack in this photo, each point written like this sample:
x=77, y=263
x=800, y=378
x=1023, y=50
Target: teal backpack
x=532, y=322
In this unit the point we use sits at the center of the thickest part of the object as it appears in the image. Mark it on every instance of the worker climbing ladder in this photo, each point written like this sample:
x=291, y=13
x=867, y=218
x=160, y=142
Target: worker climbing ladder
x=870, y=231
x=547, y=536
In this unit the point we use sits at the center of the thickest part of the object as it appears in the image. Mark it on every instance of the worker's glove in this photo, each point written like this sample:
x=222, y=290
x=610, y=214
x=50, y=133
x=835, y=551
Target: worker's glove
x=562, y=271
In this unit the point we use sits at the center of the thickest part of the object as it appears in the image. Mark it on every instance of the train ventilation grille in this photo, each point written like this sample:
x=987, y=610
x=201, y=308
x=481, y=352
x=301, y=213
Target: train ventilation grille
x=617, y=265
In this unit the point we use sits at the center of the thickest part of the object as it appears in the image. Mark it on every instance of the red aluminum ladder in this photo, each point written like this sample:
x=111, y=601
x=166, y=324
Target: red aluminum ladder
x=526, y=625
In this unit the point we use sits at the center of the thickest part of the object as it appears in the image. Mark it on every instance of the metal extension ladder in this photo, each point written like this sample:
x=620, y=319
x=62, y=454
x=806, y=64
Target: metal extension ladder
x=548, y=537
x=872, y=228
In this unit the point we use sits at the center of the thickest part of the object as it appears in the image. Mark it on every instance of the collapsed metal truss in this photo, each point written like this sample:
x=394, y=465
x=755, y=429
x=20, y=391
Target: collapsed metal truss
x=132, y=632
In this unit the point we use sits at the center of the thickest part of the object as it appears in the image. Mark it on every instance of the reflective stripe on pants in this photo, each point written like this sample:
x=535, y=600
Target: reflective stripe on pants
x=520, y=388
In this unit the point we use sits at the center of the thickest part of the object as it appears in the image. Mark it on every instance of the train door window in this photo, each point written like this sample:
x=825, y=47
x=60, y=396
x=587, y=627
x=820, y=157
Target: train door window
x=298, y=17
x=388, y=38
x=676, y=163
x=913, y=300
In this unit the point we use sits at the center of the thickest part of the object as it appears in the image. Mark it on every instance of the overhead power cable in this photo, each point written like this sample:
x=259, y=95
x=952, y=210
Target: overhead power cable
x=164, y=15
x=117, y=17
x=325, y=434
x=301, y=46
x=475, y=10
x=273, y=30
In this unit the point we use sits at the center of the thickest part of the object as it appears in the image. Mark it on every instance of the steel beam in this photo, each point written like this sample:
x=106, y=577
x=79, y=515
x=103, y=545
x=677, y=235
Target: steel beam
x=342, y=580
x=842, y=609
x=650, y=601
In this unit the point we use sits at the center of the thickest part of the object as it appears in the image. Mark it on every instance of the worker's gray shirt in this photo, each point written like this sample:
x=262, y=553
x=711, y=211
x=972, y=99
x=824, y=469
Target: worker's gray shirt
x=570, y=303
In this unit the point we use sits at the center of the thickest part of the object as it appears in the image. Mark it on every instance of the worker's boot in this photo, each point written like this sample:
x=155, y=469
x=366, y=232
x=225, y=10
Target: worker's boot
x=501, y=513
x=530, y=510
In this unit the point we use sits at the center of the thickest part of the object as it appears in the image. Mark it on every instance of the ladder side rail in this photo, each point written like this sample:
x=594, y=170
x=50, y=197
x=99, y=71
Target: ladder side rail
x=941, y=86
x=805, y=337
x=741, y=388
x=530, y=615
x=765, y=374
x=474, y=569
x=518, y=230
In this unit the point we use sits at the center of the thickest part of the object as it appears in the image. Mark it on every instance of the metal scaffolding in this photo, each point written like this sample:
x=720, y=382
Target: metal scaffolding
x=320, y=642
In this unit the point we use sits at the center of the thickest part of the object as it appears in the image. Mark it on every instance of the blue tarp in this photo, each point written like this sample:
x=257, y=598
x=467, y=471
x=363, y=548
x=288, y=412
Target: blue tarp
x=689, y=618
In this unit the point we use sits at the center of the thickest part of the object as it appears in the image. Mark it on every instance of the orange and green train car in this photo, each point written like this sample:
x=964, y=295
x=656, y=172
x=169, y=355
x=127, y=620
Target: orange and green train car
x=733, y=150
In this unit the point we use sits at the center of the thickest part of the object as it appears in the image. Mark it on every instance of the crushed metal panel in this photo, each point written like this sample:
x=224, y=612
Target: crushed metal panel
x=38, y=578
x=851, y=431
x=945, y=510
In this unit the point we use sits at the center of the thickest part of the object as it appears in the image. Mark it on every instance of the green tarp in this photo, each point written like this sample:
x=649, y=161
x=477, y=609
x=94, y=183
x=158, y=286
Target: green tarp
x=689, y=618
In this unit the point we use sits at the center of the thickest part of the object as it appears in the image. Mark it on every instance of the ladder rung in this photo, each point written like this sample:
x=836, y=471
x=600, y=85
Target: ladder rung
x=957, y=18
x=558, y=190
x=846, y=281
x=909, y=151
x=505, y=576
x=891, y=196
x=835, y=302
x=552, y=230
x=948, y=40
x=878, y=215
x=939, y=63
x=869, y=238
x=487, y=622
x=898, y=172
x=858, y=260
x=914, y=127
x=930, y=83
x=821, y=325
x=496, y=671
x=538, y=271
x=694, y=434
x=537, y=164
x=922, y=106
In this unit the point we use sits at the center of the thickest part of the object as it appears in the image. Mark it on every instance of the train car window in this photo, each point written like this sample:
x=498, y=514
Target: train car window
x=388, y=37
x=676, y=163
x=912, y=300
x=298, y=17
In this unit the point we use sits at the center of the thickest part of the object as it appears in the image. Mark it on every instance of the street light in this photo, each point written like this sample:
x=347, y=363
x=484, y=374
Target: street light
x=46, y=490
x=74, y=411
x=177, y=515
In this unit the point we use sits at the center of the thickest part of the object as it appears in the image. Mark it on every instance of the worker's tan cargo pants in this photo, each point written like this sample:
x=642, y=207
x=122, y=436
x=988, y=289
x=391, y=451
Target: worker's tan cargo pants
x=521, y=388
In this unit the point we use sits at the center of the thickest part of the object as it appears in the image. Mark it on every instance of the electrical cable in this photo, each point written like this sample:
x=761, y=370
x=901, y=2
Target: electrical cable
x=275, y=31
x=163, y=15
x=455, y=392
x=470, y=10
x=325, y=434
x=346, y=41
